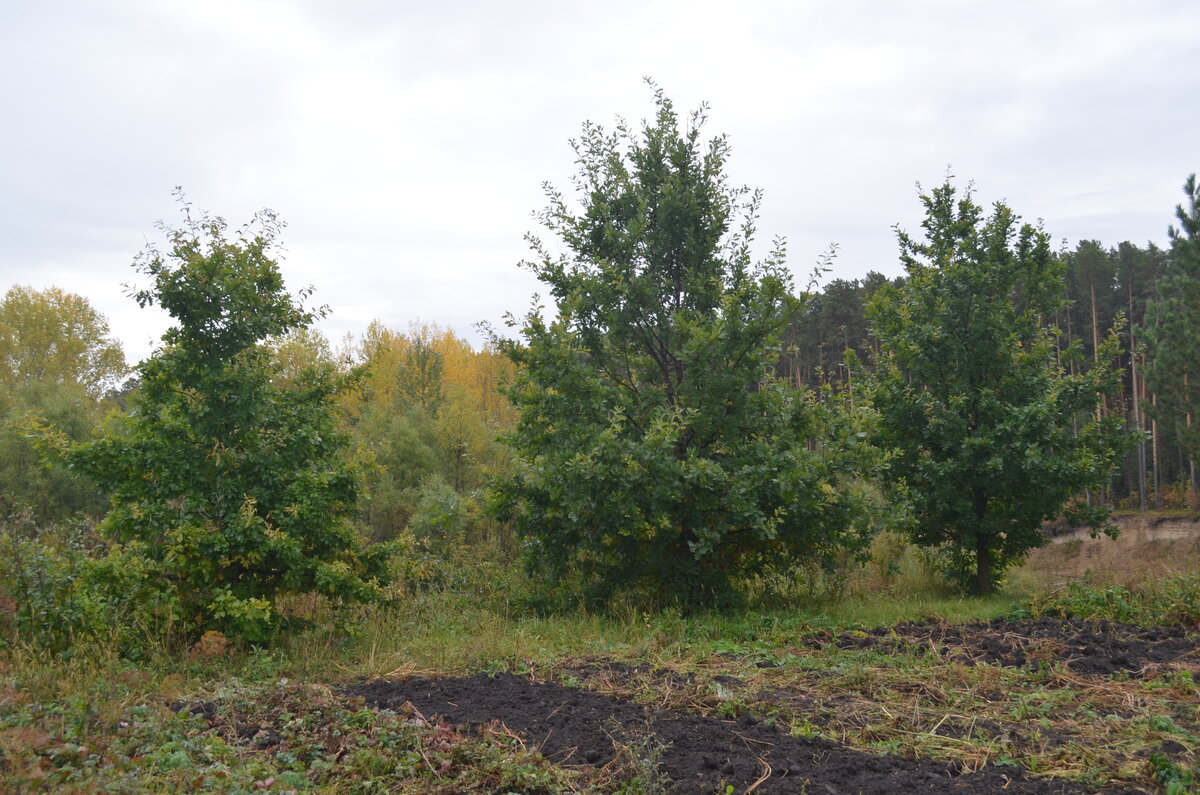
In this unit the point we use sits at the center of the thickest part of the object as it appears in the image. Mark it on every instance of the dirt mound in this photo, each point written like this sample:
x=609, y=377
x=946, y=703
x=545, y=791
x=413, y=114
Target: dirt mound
x=1103, y=648
x=698, y=754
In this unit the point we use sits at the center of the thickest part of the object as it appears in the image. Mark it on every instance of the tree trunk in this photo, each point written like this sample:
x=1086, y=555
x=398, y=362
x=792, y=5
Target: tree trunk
x=984, y=583
x=1102, y=409
x=1156, y=494
x=1138, y=420
x=1070, y=336
x=1154, y=456
x=1191, y=461
x=983, y=567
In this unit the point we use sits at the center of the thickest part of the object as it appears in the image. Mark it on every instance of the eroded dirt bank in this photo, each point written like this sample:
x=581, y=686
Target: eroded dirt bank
x=1149, y=546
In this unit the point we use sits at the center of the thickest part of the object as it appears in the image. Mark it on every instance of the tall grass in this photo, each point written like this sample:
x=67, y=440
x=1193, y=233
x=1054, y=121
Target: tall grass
x=470, y=615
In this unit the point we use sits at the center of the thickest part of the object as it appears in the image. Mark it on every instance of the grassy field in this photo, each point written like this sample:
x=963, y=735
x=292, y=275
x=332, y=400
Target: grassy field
x=218, y=718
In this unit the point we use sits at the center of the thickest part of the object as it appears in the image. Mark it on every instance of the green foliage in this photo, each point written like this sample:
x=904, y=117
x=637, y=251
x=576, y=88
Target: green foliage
x=51, y=336
x=1173, y=328
x=658, y=453
x=1173, y=779
x=993, y=436
x=401, y=453
x=833, y=323
x=226, y=471
x=62, y=587
x=57, y=361
x=422, y=424
x=442, y=514
x=53, y=493
x=1102, y=284
x=1171, y=601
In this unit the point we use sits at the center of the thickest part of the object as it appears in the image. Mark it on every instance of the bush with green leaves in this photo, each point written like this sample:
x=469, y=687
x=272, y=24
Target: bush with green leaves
x=63, y=587
x=231, y=478
x=658, y=454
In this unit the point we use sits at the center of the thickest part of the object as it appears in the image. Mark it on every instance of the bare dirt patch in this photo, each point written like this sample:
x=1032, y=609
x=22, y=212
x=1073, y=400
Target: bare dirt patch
x=1102, y=648
x=571, y=726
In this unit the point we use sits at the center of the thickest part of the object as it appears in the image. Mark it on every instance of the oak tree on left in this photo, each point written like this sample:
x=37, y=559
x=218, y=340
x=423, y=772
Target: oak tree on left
x=226, y=476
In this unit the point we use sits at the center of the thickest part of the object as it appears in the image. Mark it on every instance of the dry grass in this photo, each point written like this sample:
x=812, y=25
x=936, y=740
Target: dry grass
x=936, y=701
x=1149, y=547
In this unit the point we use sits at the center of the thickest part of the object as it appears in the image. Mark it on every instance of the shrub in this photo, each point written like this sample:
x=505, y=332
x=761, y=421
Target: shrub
x=63, y=586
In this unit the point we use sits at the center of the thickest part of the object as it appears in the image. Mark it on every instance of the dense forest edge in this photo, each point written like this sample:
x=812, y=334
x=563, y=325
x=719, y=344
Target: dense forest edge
x=851, y=512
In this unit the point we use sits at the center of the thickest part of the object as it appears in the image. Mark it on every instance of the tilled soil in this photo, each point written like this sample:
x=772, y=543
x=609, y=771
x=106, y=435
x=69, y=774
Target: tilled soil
x=698, y=754
x=1104, y=648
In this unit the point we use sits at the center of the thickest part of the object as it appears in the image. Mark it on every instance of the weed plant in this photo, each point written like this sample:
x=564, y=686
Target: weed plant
x=1170, y=601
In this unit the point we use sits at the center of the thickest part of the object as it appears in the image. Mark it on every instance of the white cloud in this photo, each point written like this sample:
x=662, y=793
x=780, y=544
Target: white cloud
x=405, y=145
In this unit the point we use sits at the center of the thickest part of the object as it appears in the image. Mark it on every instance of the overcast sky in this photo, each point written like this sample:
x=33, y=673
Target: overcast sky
x=405, y=143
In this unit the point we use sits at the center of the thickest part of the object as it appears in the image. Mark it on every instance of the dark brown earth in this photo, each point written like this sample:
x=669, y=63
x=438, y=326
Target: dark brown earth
x=698, y=754
x=1103, y=648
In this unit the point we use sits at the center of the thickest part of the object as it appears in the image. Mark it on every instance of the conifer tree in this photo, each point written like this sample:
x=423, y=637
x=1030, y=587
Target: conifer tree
x=1173, y=337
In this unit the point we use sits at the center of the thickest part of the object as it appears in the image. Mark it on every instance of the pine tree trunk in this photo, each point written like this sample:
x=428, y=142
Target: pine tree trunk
x=1193, y=499
x=1102, y=409
x=1138, y=420
x=1187, y=418
x=1157, y=501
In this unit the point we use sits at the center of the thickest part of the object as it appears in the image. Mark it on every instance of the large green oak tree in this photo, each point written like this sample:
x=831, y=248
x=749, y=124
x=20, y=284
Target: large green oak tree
x=226, y=476
x=658, y=455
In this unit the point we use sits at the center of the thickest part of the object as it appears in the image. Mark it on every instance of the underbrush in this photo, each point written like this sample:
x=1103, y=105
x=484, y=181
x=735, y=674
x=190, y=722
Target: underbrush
x=241, y=718
x=1169, y=601
x=63, y=588
x=251, y=737
x=141, y=708
x=95, y=716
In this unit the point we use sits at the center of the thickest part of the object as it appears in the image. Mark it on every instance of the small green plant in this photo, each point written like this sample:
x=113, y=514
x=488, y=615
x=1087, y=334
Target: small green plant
x=1171, y=600
x=804, y=728
x=1174, y=779
x=637, y=767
